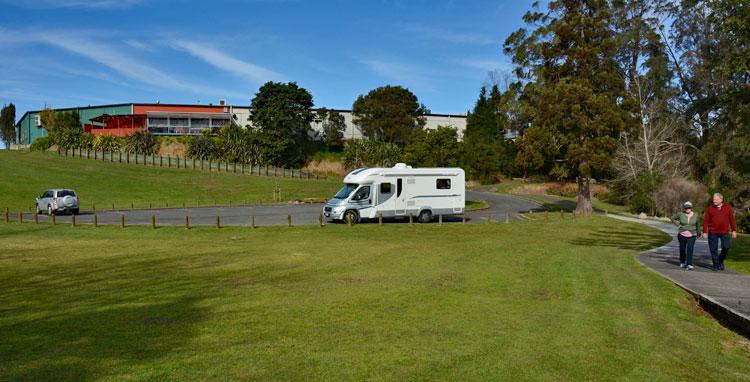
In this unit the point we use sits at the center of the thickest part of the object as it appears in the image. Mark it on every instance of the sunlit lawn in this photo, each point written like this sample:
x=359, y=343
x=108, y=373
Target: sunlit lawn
x=101, y=184
x=559, y=300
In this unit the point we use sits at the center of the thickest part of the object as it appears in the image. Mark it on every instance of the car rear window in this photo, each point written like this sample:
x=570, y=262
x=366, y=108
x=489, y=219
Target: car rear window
x=64, y=193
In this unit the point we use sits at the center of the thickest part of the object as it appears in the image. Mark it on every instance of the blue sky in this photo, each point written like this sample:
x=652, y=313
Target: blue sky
x=66, y=53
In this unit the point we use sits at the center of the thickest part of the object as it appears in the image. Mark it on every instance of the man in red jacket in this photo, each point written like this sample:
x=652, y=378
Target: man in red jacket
x=718, y=223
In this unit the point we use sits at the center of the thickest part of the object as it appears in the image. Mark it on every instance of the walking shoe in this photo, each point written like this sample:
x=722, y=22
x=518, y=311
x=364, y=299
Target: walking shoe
x=721, y=267
x=682, y=265
x=690, y=267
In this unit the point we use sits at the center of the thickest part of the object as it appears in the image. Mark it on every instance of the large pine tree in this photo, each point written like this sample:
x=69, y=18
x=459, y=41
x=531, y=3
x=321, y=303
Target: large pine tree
x=571, y=57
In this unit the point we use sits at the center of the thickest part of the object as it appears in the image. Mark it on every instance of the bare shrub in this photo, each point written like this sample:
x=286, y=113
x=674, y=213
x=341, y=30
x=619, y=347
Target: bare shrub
x=673, y=192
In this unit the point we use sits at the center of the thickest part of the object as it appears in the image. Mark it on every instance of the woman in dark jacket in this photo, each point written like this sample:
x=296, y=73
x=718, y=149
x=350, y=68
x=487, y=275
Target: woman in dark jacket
x=689, y=229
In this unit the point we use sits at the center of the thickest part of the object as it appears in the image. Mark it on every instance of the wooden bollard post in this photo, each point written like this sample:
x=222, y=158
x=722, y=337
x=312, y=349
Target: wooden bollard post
x=131, y=205
x=54, y=219
x=6, y=216
x=507, y=218
x=122, y=220
x=606, y=213
x=36, y=218
x=380, y=218
x=411, y=219
x=218, y=222
x=187, y=222
x=320, y=220
x=463, y=218
x=574, y=214
x=20, y=218
x=153, y=221
x=289, y=220
x=440, y=219
x=489, y=219
x=252, y=221
x=94, y=221
x=113, y=206
x=73, y=220
x=348, y=220
x=149, y=205
x=546, y=215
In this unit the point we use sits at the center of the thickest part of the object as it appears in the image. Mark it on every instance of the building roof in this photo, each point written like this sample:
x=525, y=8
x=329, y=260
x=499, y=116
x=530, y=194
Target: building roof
x=197, y=105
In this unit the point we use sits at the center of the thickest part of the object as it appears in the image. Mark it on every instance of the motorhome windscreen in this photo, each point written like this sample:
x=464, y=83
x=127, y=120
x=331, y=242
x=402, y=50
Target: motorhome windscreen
x=345, y=191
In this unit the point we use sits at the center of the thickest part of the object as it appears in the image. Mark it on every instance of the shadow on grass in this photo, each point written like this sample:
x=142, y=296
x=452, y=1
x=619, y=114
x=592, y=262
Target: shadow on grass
x=637, y=240
x=85, y=319
x=84, y=345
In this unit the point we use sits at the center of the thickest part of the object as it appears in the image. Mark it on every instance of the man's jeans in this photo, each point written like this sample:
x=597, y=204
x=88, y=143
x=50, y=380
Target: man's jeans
x=686, y=249
x=713, y=244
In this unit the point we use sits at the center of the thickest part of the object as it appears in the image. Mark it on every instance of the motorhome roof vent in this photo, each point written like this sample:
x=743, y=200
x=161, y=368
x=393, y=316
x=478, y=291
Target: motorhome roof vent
x=401, y=165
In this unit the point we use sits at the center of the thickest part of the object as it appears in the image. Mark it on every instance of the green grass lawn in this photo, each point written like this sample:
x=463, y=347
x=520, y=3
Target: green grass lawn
x=739, y=254
x=473, y=205
x=399, y=302
x=27, y=174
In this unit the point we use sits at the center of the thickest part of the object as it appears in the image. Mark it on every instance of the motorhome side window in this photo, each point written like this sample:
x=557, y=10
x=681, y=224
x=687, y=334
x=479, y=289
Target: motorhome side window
x=399, y=187
x=362, y=193
x=443, y=184
x=385, y=188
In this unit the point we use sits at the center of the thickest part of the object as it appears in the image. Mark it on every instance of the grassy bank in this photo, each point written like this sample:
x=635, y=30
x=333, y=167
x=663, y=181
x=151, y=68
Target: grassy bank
x=28, y=174
x=739, y=254
x=456, y=302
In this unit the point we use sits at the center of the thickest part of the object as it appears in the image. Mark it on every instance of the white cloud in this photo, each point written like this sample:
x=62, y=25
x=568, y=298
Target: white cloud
x=110, y=57
x=402, y=73
x=225, y=62
x=451, y=36
x=487, y=65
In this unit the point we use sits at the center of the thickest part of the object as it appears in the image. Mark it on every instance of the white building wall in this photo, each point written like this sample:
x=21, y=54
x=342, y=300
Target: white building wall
x=432, y=121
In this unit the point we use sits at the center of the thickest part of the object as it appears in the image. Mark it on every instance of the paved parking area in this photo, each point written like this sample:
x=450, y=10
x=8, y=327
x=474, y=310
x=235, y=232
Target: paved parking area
x=500, y=206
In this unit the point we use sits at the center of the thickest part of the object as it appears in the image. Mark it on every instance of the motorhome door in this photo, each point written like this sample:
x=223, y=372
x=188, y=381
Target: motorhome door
x=400, y=200
x=362, y=199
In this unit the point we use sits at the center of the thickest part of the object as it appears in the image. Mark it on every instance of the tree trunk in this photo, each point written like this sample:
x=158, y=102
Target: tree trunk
x=584, y=196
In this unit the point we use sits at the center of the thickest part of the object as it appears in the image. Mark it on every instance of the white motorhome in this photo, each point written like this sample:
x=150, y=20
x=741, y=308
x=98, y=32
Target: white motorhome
x=398, y=191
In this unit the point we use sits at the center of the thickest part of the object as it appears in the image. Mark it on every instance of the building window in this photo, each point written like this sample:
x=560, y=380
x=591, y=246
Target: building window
x=199, y=123
x=443, y=184
x=219, y=122
x=178, y=122
x=154, y=121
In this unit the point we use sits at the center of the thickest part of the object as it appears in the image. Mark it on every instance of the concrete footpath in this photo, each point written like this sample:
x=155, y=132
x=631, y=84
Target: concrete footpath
x=725, y=294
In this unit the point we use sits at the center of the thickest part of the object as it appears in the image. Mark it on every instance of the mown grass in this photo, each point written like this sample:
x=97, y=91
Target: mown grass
x=474, y=205
x=451, y=302
x=27, y=174
x=739, y=254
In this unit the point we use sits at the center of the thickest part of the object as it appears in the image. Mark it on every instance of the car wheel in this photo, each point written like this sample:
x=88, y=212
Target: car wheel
x=425, y=216
x=49, y=210
x=352, y=216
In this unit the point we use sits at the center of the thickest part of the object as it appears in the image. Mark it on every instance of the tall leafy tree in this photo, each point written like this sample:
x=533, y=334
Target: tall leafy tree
x=8, y=124
x=389, y=113
x=583, y=104
x=711, y=41
x=438, y=147
x=281, y=114
x=487, y=151
x=333, y=124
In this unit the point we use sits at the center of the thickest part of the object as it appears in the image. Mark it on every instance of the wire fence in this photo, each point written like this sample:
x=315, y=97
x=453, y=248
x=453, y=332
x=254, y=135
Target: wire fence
x=187, y=163
x=186, y=220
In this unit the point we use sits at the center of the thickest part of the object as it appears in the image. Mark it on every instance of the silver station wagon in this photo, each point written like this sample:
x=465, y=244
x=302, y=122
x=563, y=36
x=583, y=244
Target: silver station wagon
x=58, y=200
